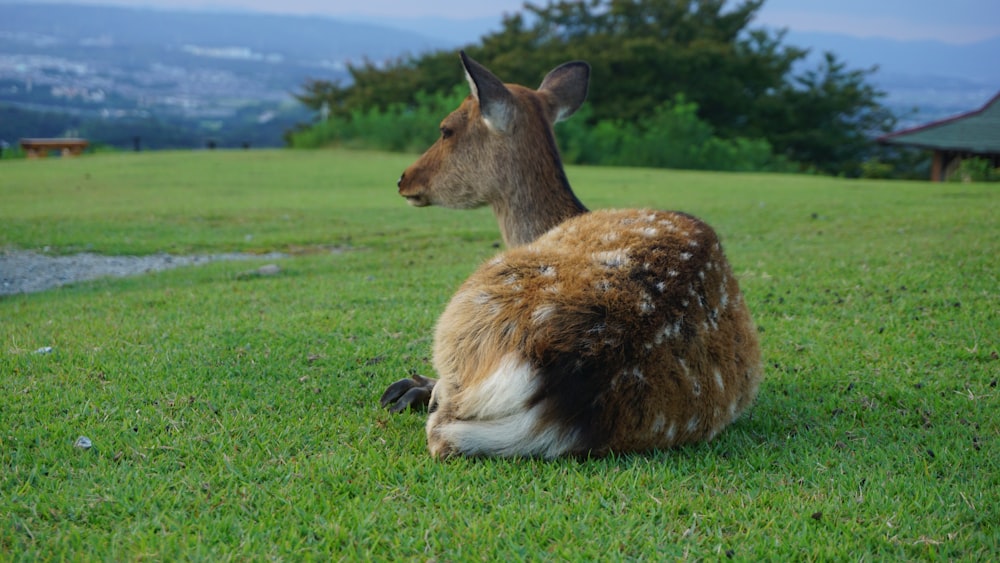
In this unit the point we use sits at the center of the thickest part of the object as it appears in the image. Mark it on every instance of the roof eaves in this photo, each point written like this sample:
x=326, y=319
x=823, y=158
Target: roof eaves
x=889, y=137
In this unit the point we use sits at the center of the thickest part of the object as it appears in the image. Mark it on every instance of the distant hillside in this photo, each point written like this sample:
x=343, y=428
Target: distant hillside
x=204, y=76
x=299, y=39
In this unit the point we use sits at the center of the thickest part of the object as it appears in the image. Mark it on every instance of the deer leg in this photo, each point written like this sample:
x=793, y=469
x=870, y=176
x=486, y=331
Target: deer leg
x=413, y=393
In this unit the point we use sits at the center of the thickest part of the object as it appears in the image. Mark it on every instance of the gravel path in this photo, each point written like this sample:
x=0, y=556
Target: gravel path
x=27, y=272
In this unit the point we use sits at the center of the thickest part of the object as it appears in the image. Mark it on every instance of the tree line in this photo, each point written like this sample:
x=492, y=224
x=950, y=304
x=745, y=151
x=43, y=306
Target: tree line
x=678, y=83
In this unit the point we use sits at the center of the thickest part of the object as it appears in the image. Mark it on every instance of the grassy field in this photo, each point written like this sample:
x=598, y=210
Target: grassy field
x=236, y=417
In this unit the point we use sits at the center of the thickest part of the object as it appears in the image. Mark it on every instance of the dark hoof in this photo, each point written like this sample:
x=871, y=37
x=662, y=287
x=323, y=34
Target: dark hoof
x=413, y=393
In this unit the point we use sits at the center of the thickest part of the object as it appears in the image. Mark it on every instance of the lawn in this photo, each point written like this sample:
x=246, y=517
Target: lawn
x=236, y=417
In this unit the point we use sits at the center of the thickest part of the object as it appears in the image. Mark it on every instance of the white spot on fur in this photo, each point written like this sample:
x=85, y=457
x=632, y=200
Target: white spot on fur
x=693, y=243
x=659, y=422
x=724, y=300
x=645, y=305
x=611, y=258
x=649, y=232
x=673, y=273
x=686, y=255
x=668, y=332
x=547, y=271
x=637, y=374
x=661, y=287
x=718, y=379
x=650, y=218
x=496, y=261
x=671, y=432
x=609, y=238
x=602, y=285
x=692, y=424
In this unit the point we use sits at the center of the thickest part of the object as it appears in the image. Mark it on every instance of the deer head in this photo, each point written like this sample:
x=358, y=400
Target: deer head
x=498, y=149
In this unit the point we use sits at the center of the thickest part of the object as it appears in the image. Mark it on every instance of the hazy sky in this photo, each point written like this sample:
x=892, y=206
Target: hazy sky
x=954, y=21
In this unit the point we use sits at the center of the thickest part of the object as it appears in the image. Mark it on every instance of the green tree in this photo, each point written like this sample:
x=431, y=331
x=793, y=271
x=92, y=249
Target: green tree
x=644, y=53
x=825, y=117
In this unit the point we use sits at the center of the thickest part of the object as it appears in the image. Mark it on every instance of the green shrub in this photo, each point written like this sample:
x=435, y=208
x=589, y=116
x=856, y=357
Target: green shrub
x=975, y=170
x=672, y=137
x=400, y=128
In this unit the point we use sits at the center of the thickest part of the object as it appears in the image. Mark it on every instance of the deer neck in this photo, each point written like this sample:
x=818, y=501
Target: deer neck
x=538, y=199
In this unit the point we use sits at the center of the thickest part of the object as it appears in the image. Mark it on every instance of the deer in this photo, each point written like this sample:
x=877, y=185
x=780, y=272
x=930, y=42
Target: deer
x=595, y=332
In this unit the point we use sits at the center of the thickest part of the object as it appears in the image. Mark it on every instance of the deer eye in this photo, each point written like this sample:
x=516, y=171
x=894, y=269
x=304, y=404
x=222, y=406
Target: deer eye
x=446, y=132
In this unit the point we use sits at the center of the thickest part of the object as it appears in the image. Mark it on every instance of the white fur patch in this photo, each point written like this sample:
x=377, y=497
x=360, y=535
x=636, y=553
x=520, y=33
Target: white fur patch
x=518, y=434
x=646, y=305
x=609, y=238
x=692, y=424
x=659, y=422
x=611, y=258
x=502, y=393
x=671, y=432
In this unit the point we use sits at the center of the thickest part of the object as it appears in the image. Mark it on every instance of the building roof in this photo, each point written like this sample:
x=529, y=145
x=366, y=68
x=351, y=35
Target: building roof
x=975, y=132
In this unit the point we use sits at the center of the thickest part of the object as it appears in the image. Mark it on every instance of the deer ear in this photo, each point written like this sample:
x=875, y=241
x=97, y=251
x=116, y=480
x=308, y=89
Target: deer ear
x=567, y=88
x=496, y=103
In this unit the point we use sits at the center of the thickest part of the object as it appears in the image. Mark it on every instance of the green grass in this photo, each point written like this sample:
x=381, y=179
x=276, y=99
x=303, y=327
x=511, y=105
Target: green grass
x=236, y=418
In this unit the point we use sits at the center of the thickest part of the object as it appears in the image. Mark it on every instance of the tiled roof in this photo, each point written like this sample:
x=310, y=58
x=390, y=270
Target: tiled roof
x=976, y=132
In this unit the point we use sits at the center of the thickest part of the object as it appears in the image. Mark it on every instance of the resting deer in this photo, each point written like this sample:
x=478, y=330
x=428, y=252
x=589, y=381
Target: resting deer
x=596, y=332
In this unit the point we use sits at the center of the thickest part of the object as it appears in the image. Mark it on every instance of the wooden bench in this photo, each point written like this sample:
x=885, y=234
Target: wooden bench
x=40, y=148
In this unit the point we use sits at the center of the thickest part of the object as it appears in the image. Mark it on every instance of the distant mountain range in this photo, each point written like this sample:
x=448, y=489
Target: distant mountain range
x=207, y=67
